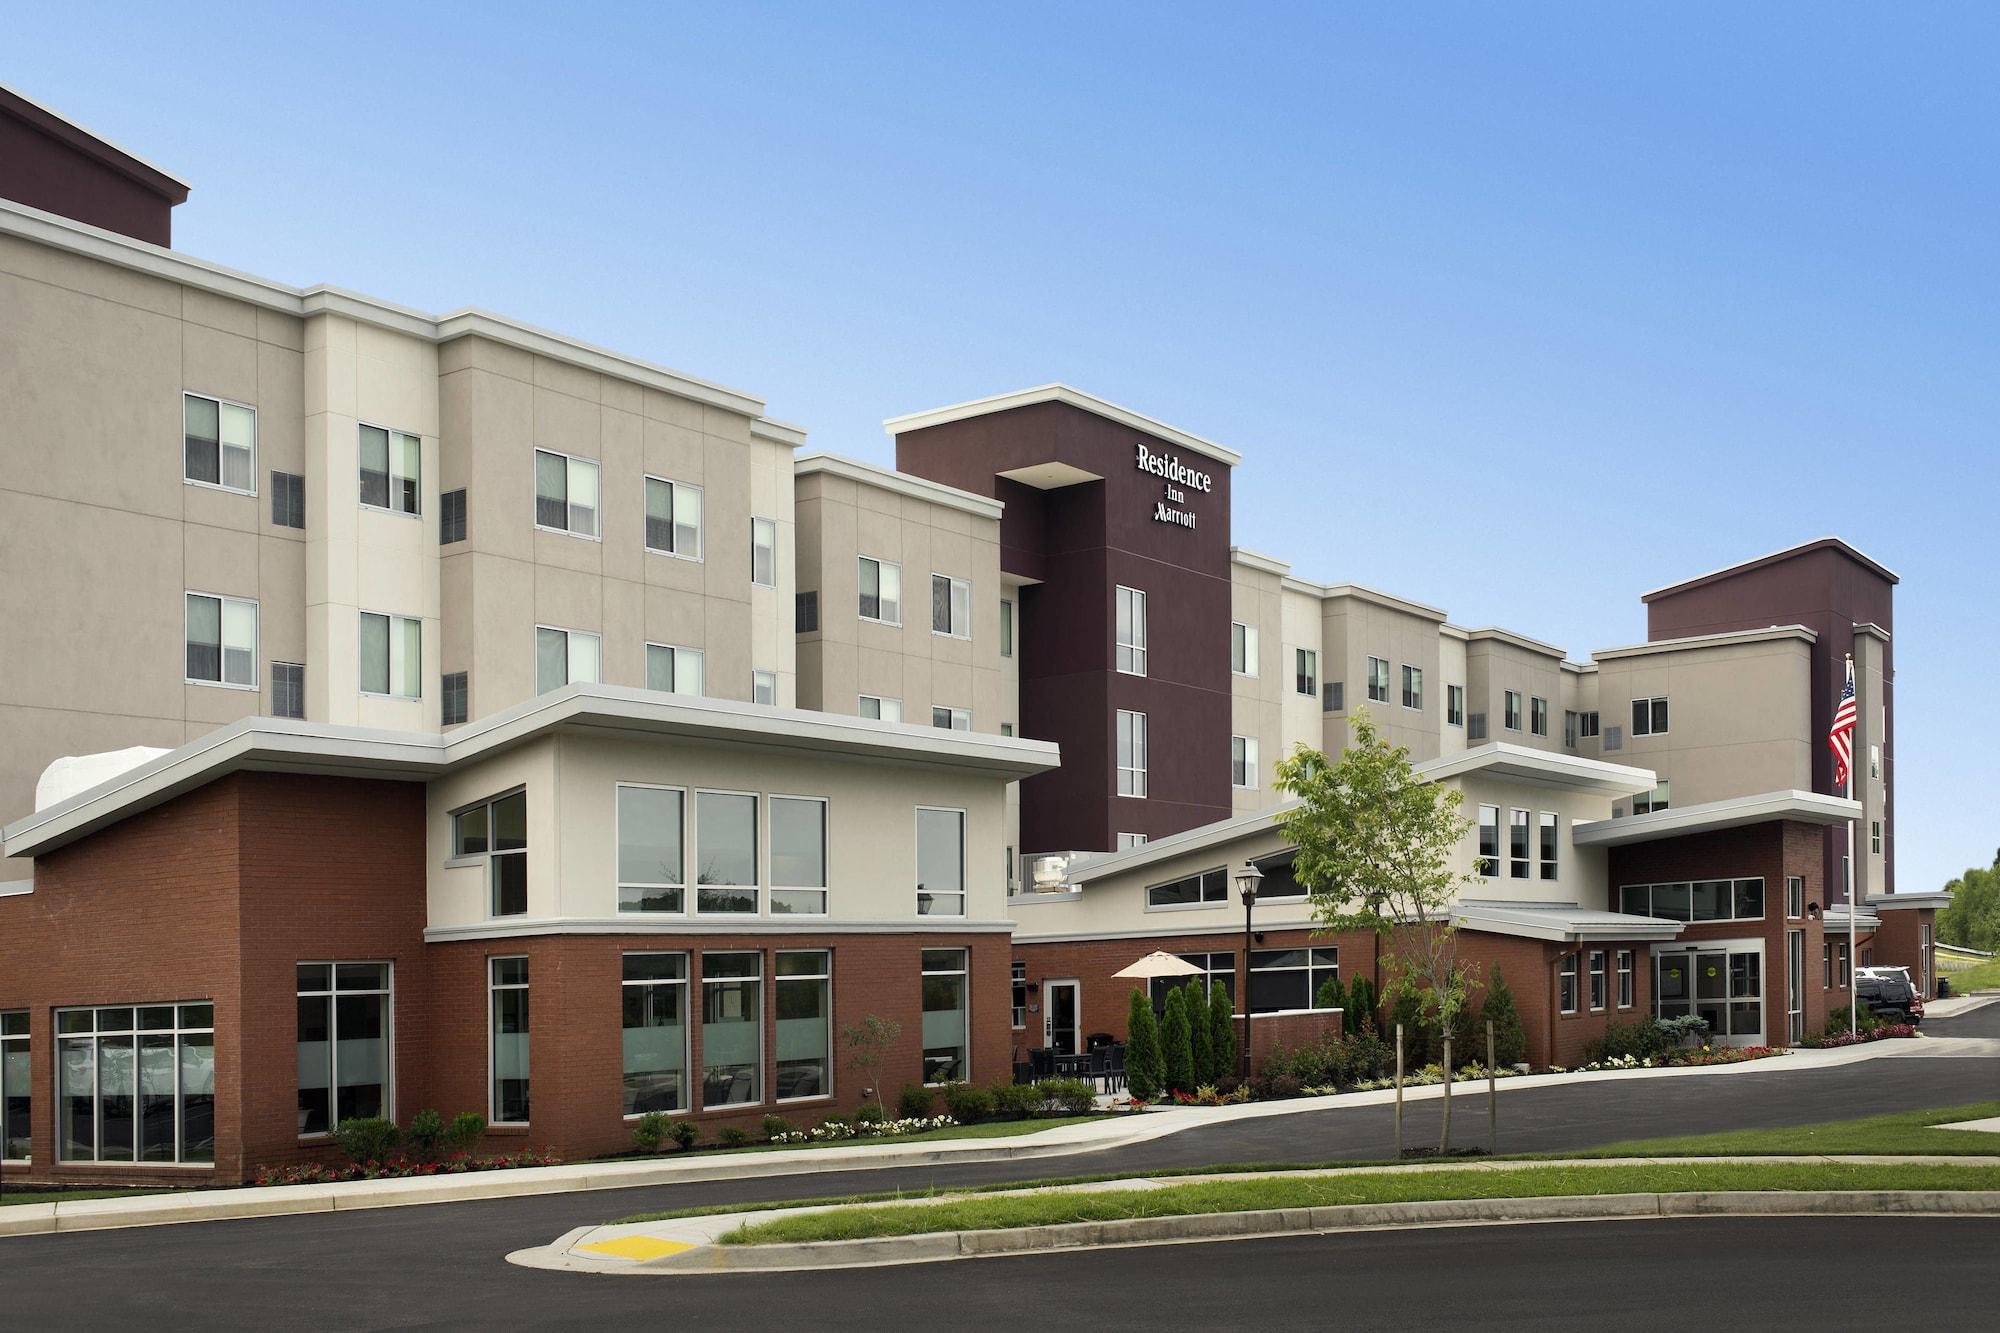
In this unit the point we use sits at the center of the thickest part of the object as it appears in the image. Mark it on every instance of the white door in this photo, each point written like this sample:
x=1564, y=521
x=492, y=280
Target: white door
x=1062, y=1016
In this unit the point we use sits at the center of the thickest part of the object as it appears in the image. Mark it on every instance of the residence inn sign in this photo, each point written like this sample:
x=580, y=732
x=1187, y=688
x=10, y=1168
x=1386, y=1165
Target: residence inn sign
x=1180, y=479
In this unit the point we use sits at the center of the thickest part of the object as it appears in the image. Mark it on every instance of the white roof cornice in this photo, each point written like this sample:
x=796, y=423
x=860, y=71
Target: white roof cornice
x=1729, y=639
x=899, y=483
x=1077, y=398
x=1543, y=767
x=1800, y=807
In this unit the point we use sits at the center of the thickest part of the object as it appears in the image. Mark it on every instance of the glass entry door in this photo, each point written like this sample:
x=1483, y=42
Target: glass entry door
x=1795, y=985
x=1062, y=1016
x=1723, y=983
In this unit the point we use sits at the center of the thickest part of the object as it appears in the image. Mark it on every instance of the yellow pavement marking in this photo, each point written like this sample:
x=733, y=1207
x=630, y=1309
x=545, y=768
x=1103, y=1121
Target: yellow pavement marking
x=637, y=1248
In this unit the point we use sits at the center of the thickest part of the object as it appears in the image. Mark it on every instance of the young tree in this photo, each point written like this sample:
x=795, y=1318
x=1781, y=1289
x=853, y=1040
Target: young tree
x=1201, y=1035
x=1377, y=850
x=1222, y=1033
x=1177, y=1042
x=1333, y=995
x=1145, y=1068
x=868, y=1044
x=1510, y=1039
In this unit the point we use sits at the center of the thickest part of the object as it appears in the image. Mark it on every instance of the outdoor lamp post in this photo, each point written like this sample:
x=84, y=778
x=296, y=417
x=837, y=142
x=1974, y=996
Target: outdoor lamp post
x=1247, y=880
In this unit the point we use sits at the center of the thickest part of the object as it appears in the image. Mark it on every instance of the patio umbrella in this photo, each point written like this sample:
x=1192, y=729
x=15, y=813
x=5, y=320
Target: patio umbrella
x=1159, y=964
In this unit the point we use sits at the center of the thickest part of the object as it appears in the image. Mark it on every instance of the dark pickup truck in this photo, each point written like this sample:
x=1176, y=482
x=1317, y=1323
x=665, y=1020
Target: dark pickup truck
x=1891, y=997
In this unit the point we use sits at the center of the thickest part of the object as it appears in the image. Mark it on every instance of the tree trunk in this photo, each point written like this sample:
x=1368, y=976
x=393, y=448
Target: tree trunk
x=1444, y=1137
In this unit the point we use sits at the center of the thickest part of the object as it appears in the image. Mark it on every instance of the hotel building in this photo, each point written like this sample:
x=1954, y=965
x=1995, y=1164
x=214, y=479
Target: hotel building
x=405, y=711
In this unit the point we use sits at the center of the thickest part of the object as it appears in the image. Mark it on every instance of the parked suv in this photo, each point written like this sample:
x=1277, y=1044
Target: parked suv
x=1890, y=996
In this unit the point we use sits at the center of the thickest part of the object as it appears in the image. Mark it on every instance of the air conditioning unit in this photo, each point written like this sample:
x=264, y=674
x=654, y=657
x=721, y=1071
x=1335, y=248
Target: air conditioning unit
x=1050, y=874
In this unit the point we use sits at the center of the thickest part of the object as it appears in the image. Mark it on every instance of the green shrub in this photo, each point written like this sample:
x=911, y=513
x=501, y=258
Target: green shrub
x=1015, y=1101
x=968, y=1103
x=733, y=1136
x=1866, y=1021
x=1690, y=1028
x=1364, y=1004
x=836, y=1122
x=1332, y=995
x=1510, y=1039
x=426, y=1135
x=870, y=1113
x=1177, y=1043
x=650, y=1132
x=683, y=1133
x=1222, y=1033
x=1367, y=1055
x=1643, y=1040
x=1201, y=1034
x=914, y=1101
x=367, y=1138
x=1145, y=1068
x=775, y=1125
x=1408, y=1011
x=467, y=1128
x=1065, y=1096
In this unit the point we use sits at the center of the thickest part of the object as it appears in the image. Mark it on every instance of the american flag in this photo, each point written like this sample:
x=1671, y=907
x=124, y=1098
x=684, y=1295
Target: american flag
x=1841, y=739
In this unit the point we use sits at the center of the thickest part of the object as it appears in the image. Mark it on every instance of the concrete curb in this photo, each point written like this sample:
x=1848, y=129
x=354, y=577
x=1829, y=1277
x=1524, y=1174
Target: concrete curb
x=1299, y=1221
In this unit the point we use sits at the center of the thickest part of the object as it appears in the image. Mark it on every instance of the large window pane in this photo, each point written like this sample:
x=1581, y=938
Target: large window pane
x=551, y=660
x=375, y=466
x=239, y=447
x=656, y=1034
x=510, y=1040
x=650, y=866
x=805, y=1032
x=944, y=1027
x=315, y=1040
x=16, y=1086
x=726, y=842
x=202, y=431
x=731, y=1029
x=551, y=490
x=124, y=1095
x=940, y=862
x=239, y=642
x=374, y=633
x=204, y=638
x=798, y=854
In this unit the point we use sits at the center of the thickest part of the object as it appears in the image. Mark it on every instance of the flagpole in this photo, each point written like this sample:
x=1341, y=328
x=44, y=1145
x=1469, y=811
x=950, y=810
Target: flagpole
x=1853, y=883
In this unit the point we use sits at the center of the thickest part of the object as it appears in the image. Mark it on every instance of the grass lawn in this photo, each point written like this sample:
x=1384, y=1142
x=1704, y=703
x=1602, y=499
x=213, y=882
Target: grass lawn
x=1234, y=1196
x=1905, y=1133
x=992, y=1129
x=28, y=1194
x=1984, y=976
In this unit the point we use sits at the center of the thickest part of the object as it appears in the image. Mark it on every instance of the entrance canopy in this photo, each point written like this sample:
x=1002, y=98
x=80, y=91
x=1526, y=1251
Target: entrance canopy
x=1560, y=922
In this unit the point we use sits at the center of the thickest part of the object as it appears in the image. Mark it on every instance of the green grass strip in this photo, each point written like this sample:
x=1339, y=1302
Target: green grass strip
x=32, y=1195
x=1236, y=1196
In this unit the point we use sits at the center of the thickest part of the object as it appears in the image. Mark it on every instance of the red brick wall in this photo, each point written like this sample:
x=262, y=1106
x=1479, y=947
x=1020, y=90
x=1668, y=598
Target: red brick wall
x=1532, y=969
x=1899, y=943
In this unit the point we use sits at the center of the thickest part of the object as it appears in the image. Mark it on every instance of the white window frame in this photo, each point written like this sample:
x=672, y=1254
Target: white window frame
x=570, y=463
x=883, y=706
x=490, y=857
x=1795, y=897
x=96, y=1037
x=1128, y=630
x=758, y=870
x=1599, y=997
x=398, y=656
x=761, y=981
x=778, y=979
x=1511, y=710
x=1568, y=977
x=1538, y=716
x=824, y=889
x=1008, y=627
x=1018, y=1011
x=1875, y=837
x=392, y=507
x=1378, y=693
x=18, y=1036
x=333, y=993
x=880, y=565
x=675, y=652
x=688, y=1019
x=1649, y=701
x=674, y=490
x=1413, y=688
x=1454, y=705
x=569, y=656
x=957, y=606
x=764, y=527
x=964, y=892
x=956, y=719
x=1127, y=841
x=964, y=973
x=222, y=642
x=1484, y=865
x=1627, y=994
x=1660, y=797
x=618, y=881
x=1243, y=763
x=1129, y=744
x=1305, y=664
x=1316, y=972
x=1520, y=862
x=1218, y=876
x=1243, y=643
x=764, y=683
x=493, y=988
x=218, y=484
x=1733, y=881
x=1548, y=844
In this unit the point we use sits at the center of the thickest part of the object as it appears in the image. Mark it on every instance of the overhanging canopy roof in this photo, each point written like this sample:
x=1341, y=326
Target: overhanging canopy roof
x=1800, y=807
x=1543, y=768
x=1564, y=923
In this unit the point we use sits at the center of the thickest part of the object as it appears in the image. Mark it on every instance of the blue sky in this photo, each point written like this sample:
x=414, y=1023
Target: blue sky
x=1518, y=310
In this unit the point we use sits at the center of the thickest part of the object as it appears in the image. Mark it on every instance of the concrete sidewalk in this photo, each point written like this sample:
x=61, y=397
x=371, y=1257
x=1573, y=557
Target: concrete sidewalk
x=1055, y=1144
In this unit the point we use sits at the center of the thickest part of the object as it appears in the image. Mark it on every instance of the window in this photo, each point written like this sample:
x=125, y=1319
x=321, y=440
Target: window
x=1378, y=680
x=1538, y=716
x=1795, y=896
x=1569, y=728
x=1207, y=888
x=1454, y=705
x=16, y=1087
x=1217, y=969
x=886, y=710
x=565, y=494
x=1649, y=717
x=1131, y=753
x=1007, y=729
x=1305, y=663
x=507, y=988
x=220, y=443
x=1549, y=831
x=951, y=719
x=1413, y=687
x=392, y=655
x=456, y=692
x=1006, y=628
x=732, y=1029
x=391, y=469
x=946, y=1055
x=1625, y=994
x=221, y=641
x=1586, y=724
x=673, y=519
x=1566, y=984
x=1874, y=761
x=1875, y=837
x=763, y=552
x=451, y=517
x=650, y=831
x=1127, y=841
x=1511, y=719
x=1517, y=844
x=805, y=612
x=1131, y=631
x=498, y=830
x=288, y=500
x=1826, y=965
x=1489, y=841
x=764, y=687
x=344, y=1042
x=564, y=657
x=940, y=862
x=136, y=1083
x=881, y=591
x=1290, y=978
x=1242, y=648
x=1842, y=964
x=674, y=670
x=653, y=995
x=951, y=606
x=1597, y=979
x=1243, y=762
x=288, y=689
x=1653, y=801
x=798, y=855
x=805, y=1024
x=1699, y=900
x=1019, y=1018
x=1333, y=696
x=725, y=844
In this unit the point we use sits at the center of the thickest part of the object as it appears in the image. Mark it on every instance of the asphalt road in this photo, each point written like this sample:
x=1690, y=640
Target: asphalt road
x=442, y=1265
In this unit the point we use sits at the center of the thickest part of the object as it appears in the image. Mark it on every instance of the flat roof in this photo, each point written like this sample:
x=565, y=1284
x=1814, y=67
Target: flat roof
x=1072, y=397
x=1800, y=807
x=1758, y=562
x=900, y=483
x=1509, y=637
x=1561, y=922
x=1545, y=768
x=1728, y=639
x=115, y=155
x=266, y=744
